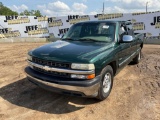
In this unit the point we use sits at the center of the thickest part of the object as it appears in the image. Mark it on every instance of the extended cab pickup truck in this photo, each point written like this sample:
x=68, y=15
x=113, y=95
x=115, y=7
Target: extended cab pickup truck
x=86, y=59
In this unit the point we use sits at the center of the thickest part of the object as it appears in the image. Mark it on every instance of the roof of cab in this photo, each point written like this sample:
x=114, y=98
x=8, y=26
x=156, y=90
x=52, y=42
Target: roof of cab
x=109, y=21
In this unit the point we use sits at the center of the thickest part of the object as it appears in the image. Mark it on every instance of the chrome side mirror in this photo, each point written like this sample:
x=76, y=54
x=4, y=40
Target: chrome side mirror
x=127, y=38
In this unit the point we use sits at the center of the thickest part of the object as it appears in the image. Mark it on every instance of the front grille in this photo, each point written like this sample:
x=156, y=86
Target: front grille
x=51, y=63
x=53, y=73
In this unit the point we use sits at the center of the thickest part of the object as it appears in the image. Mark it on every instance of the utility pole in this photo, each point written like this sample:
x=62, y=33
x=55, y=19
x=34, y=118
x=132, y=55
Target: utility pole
x=146, y=7
x=103, y=9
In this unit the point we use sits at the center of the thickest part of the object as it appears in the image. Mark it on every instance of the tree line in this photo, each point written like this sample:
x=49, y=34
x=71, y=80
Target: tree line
x=7, y=12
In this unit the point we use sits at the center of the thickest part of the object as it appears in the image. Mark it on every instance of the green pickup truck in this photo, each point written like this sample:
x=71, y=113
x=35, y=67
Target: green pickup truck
x=86, y=59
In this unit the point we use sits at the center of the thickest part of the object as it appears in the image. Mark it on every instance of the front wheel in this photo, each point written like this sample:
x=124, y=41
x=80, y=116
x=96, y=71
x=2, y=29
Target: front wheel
x=106, y=83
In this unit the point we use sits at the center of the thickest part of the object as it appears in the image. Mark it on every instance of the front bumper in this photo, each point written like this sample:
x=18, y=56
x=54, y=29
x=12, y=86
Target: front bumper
x=64, y=85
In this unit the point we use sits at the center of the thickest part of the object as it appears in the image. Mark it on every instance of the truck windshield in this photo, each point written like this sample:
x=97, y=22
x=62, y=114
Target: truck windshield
x=93, y=31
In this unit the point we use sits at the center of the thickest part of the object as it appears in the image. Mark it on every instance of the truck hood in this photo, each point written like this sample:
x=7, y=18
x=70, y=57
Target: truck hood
x=71, y=51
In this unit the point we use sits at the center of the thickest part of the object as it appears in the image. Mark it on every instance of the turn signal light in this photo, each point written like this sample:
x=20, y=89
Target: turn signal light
x=91, y=76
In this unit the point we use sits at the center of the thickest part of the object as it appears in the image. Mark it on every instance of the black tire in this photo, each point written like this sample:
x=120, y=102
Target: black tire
x=105, y=88
x=138, y=57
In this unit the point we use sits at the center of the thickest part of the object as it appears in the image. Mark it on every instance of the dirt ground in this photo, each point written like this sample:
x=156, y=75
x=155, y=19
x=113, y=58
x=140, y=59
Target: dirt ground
x=135, y=94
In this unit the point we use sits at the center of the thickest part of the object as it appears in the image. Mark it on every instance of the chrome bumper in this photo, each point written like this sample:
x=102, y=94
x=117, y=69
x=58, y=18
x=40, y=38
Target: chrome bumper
x=91, y=91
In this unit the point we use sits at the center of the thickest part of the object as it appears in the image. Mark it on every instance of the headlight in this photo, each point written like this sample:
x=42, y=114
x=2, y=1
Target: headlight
x=29, y=57
x=82, y=66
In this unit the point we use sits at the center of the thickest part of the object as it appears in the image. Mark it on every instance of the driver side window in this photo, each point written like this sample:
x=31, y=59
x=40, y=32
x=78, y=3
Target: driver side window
x=122, y=31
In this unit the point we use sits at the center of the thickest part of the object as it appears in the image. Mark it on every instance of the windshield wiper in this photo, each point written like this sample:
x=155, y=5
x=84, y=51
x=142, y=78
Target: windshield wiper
x=67, y=39
x=88, y=39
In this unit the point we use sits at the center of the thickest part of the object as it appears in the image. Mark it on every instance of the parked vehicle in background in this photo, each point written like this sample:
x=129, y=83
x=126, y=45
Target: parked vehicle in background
x=85, y=61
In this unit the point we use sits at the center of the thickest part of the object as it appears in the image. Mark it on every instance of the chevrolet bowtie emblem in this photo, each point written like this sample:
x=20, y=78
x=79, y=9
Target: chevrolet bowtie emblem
x=46, y=68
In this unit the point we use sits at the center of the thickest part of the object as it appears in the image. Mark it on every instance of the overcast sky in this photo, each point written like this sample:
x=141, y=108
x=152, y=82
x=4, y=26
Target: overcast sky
x=81, y=7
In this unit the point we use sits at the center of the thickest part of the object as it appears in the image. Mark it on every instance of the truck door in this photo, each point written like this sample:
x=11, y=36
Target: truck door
x=124, y=54
x=125, y=48
x=133, y=44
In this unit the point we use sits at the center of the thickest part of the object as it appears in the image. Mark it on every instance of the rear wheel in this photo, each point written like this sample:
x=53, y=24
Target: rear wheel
x=106, y=83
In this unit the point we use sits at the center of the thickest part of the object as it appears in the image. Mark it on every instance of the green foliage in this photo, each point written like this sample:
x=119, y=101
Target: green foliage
x=37, y=13
x=31, y=13
x=6, y=11
x=1, y=4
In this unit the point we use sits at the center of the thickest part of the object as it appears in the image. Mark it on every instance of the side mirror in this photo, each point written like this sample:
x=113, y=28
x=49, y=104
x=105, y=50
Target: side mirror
x=127, y=38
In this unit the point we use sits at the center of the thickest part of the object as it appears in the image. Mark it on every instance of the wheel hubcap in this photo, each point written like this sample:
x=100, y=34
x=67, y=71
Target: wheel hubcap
x=107, y=82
